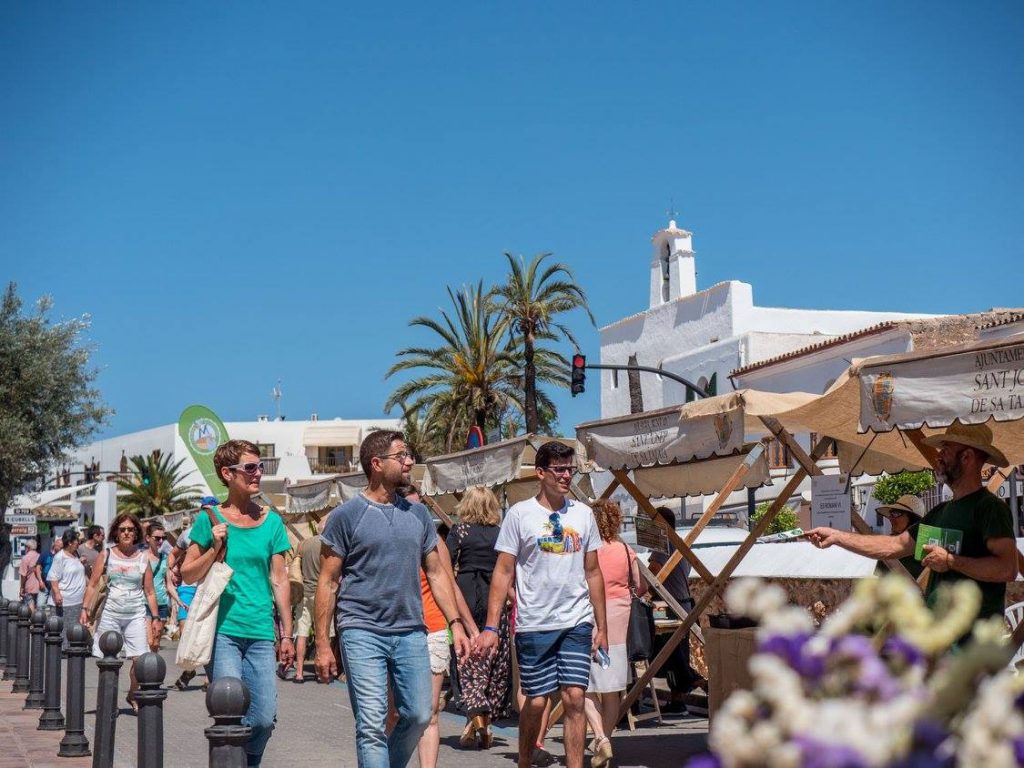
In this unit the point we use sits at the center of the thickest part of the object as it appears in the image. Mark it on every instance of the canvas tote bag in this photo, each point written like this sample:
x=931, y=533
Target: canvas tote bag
x=196, y=645
x=640, y=632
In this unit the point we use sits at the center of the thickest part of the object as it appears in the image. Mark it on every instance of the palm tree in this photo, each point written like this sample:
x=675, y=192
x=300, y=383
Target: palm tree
x=471, y=374
x=157, y=487
x=532, y=296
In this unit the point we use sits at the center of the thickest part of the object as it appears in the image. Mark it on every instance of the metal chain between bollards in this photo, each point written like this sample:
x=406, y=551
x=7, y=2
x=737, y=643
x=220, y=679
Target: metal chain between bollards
x=11, y=669
x=106, y=699
x=52, y=719
x=74, y=743
x=227, y=701
x=34, y=700
x=21, y=676
x=150, y=669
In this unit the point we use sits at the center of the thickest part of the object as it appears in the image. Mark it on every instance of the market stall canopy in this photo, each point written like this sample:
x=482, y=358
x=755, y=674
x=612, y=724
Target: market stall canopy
x=713, y=426
x=54, y=497
x=507, y=466
x=703, y=477
x=879, y=398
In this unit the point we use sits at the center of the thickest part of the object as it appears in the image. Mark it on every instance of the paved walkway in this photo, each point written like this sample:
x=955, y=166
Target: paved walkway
x=21, y=744
x=315, y=729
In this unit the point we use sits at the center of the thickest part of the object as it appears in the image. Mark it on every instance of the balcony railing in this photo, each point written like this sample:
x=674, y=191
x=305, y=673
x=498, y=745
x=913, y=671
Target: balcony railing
x=330, y=466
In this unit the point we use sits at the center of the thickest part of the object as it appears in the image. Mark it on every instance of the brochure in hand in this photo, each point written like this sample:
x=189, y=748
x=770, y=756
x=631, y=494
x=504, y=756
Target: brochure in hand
x=774, y=538
x=947, y=538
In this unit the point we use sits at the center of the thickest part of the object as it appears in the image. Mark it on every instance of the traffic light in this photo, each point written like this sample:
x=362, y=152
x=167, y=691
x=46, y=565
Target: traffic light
x=579, y=375
x=146, y=479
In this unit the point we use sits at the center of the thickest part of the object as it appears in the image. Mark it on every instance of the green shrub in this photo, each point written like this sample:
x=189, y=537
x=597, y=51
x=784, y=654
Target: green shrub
x=784, y=521
x=890, y=487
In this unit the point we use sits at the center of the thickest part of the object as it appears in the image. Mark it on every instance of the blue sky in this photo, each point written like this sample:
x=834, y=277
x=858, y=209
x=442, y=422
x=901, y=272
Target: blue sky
x=238, y=194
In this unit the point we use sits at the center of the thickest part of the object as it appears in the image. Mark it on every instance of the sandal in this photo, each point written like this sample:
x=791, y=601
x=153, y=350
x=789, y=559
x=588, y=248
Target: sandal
x=602, y=753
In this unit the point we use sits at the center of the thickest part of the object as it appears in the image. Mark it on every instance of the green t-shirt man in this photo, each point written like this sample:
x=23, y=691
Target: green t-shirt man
x=979, y=516
x=247, y=605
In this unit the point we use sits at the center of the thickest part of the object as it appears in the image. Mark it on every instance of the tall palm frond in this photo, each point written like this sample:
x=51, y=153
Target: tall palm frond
x=156, y=487
x=469, y=376
x=530, y=299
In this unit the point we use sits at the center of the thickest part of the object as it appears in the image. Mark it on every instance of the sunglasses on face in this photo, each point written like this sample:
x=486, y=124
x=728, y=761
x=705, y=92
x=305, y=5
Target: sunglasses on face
x=158, y=538
x=250, y=467
x=896, y=513
x=567, y=470
x=126, y=530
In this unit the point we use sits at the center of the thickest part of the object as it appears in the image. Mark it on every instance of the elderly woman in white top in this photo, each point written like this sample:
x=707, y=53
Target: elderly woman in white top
x=67, y=582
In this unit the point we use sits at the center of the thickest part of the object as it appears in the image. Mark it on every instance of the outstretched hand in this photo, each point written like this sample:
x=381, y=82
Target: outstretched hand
x=823, y=538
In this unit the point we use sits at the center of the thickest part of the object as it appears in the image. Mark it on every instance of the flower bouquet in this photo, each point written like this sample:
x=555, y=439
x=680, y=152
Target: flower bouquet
x=884, y=681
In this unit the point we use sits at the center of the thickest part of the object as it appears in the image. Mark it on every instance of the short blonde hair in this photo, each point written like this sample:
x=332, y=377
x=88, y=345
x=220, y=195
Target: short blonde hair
x=479, y=505
x=609, y=518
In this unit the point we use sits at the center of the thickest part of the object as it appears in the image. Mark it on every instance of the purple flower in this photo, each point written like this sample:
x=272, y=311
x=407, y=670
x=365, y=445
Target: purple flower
x=793, y=650
x=897, y=646
x=819, y=754
x=1018, y=751
x=704, y=761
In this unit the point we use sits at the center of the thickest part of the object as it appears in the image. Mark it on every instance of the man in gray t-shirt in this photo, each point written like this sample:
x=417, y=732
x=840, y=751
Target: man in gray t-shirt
x=375, y=545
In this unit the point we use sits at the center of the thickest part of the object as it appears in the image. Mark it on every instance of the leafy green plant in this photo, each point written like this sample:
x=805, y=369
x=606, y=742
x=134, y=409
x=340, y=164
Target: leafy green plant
x=784, y=521
x=889, y=488
x=157, y=487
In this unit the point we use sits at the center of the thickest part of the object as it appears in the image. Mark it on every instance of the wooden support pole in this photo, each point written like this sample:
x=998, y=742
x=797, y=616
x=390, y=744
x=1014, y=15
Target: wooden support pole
x=436, y=509
x=716, y=587
x=645, y=504
x=612, y=487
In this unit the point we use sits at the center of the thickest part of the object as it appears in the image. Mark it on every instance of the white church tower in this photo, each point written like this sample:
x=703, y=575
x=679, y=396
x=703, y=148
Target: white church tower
x=673, y=265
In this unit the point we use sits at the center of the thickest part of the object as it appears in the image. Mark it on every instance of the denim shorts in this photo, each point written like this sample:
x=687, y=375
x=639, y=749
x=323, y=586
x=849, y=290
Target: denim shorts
x=554, y=659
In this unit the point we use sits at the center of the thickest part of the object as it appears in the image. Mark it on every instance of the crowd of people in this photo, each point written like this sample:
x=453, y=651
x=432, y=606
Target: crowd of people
x=518, y=611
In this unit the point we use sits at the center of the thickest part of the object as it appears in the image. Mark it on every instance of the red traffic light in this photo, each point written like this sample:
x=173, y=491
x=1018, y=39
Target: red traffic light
x=579, y=361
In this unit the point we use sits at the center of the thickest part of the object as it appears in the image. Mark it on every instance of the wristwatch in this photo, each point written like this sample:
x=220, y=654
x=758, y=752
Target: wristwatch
x=457, y=620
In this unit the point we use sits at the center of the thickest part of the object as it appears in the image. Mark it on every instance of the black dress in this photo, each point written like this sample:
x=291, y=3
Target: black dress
x=485, y=684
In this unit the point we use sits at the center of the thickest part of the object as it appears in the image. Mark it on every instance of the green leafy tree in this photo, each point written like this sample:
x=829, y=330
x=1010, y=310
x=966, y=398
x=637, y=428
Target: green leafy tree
x=157, y=487
x=531, y=298
x=784, y=521
x=48, y=401
x=470, y=375
x=889, y=488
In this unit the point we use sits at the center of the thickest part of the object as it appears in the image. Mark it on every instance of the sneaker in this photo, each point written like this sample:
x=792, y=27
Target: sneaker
x=541, y=757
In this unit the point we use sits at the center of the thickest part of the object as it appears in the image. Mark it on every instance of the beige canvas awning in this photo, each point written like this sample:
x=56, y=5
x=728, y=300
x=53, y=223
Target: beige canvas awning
x=307, y=496
x=701, y=478
x=714, y=426
x=327, y=435
x=489, y=466
x=878, y=400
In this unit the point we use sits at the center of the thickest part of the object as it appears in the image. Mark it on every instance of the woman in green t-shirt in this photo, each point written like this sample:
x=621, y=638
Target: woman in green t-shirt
x=256, y=542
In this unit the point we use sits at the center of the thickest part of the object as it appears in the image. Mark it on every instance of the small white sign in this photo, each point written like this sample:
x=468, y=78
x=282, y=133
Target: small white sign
x=16, y=518
x=830, y=502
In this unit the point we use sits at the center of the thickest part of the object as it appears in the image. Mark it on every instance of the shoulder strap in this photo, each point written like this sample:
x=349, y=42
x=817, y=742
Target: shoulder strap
x=629, y=569
x=214, y=521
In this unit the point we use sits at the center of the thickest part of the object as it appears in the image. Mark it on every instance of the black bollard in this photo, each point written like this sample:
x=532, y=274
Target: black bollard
x=52, y=719
x=106, y=699
x=227, y=701
x=35, y=666
x=21, y=677
x=74, y=743
x=11, y=669
x=3, y=632
x=150, y=669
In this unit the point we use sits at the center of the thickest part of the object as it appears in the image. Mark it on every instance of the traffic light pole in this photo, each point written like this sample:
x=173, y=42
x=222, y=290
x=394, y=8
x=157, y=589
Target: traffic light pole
x=648, y=369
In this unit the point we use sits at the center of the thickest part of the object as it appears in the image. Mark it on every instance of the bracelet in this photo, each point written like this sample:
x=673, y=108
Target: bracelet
x=457, y=620
x=491, y=629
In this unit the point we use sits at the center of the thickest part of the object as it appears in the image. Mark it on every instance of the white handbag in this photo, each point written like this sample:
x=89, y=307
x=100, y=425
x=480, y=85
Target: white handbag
x=196, y=644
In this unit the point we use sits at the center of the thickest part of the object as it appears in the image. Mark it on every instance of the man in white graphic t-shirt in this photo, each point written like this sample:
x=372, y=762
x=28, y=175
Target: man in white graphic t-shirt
x=549, y=545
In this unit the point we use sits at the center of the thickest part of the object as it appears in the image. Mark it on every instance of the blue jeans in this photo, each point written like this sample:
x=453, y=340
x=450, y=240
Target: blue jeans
x=255, y=662
x=370, y=660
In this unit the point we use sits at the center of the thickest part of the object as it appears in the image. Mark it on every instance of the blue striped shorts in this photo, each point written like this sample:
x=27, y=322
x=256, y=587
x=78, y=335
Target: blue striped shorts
x=554, y=659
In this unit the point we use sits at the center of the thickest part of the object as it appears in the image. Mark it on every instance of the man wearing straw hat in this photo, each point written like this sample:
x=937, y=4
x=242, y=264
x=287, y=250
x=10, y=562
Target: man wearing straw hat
x=987, y=553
